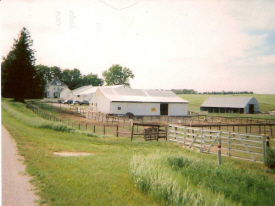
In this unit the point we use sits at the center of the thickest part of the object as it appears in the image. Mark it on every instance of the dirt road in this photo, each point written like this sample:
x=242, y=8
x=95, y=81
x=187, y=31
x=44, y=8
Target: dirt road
x=16, y=188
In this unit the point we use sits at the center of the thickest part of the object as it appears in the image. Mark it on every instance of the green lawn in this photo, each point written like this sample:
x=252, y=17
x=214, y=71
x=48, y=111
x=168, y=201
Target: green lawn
x=108, y=177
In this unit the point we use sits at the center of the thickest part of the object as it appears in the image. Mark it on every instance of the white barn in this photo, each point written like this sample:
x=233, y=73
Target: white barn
x=247, y=105
x=139, y=102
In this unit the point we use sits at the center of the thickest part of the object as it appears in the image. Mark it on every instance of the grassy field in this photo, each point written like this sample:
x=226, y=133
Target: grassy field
x=124, y=172
x=266, y=101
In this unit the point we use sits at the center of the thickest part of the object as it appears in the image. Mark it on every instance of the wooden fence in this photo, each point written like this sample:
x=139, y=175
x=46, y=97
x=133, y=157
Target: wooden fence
x=233, y=124
x=236, y=145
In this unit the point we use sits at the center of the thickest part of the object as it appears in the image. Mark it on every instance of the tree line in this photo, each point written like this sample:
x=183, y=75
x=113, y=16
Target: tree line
x=184, y=91
x=72, y=78
x=21, y=79
x=192, y=91
x=229, y=92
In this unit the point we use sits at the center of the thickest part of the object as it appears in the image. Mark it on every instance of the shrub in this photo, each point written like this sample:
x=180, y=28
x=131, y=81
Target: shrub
x=270, y=158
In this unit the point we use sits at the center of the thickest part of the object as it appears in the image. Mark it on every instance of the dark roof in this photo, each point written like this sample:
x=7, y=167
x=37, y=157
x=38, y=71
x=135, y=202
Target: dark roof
x=228, y=102
x=56, y=81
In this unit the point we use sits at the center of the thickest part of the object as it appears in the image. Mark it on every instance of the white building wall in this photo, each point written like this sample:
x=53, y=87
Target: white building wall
x=256, y=106
x=54, y=89
x=145, y=109
x=100, y=104
x=64, y=93
x=176, y=109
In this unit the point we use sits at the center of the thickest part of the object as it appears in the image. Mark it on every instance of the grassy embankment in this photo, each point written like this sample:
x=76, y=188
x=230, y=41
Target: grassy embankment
x=172, y=175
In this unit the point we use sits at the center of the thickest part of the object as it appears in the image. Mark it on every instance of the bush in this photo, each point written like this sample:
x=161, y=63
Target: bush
x=270, y=158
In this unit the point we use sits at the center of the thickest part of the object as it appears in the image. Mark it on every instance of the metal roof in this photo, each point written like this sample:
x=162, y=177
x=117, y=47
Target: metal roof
x=228, y=102
x=93, y=89
x=81, y=89
x=125, y=94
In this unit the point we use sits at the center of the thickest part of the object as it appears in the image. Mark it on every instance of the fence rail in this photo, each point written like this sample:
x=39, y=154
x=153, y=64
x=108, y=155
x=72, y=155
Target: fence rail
x=237, y=145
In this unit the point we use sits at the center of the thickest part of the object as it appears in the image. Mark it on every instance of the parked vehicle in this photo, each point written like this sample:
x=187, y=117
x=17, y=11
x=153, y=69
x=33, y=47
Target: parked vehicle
x=77, y=102
x=70, y=101
x=60, y=101
x=85, y=102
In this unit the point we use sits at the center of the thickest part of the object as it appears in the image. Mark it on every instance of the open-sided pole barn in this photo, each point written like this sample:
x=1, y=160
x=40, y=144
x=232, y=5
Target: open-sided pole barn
x=247, y=105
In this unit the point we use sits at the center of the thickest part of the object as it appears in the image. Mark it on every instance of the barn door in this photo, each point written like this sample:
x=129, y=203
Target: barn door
x=251, y=109
x=163, y=109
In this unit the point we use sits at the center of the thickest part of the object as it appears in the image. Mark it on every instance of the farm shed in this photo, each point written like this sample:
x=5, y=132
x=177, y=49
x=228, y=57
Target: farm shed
x=76, y=92
x=231, y=105
x=137, y=101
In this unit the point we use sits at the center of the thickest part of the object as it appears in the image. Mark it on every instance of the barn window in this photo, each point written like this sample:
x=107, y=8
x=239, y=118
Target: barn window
x=118, y=108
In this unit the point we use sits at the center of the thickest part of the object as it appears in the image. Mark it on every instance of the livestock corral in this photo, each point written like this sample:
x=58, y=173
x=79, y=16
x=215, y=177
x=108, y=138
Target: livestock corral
x=240, y=123
x=241, y=137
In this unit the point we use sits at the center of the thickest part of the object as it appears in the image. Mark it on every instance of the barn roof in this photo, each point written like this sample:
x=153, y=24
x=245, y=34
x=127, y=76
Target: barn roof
x=81, y=89
x=227, y=102
x=125, y=94
x=93, y=89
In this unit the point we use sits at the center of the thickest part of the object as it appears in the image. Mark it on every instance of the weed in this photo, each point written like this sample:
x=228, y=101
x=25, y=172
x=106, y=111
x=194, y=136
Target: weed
x=185, y=180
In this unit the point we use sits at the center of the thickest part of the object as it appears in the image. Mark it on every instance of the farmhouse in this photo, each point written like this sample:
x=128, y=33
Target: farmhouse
x=231, y=105
x=53, y=89
x=137, y=101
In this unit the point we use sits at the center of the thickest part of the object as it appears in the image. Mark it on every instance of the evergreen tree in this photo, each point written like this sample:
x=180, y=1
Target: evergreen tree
x=19, y=77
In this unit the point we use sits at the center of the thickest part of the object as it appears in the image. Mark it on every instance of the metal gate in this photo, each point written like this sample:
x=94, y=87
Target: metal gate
x=236, y=145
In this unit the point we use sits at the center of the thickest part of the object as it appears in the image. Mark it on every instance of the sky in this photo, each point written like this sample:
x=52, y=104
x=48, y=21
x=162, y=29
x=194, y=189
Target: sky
x=181, y=44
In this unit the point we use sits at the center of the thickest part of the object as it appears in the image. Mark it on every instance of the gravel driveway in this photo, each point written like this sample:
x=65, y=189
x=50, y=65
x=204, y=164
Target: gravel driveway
x=16, y=188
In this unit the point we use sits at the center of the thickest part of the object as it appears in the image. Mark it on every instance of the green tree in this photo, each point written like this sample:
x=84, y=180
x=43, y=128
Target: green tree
x=56, y=72
x=20, y=78
x=44, y=72
x=72, y=78
x=91, y=79
x=116, y=75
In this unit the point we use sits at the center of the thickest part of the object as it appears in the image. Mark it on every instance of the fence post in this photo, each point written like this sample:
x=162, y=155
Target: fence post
x=263, y=148
x=86, y=126
x=219, y=148
x=117, y=131
x=228, y=143
x=94, y=128
x=104, y=129
x=132, y=128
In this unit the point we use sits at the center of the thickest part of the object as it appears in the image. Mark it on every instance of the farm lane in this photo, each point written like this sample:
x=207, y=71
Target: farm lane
x=16, y=188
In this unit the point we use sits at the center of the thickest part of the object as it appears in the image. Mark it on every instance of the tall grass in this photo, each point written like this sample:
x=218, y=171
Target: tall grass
x=22, y=114
x=184, y=180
